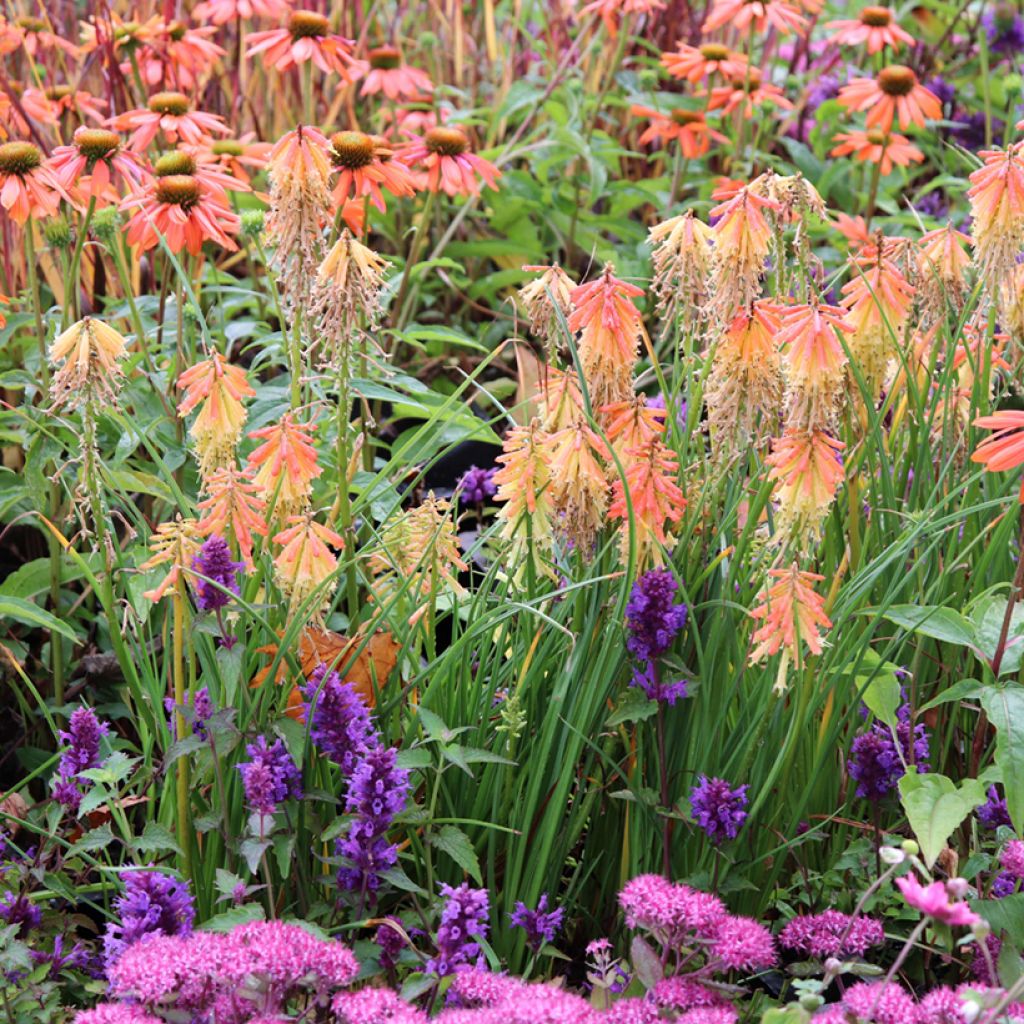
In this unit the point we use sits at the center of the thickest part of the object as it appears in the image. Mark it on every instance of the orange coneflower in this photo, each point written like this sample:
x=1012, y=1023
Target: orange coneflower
x=523, y=489
x=222, y=11
x=448, y=164
x=197, y=163
x=237, y=157
x=745, y=383
x=687, y=127
x=38, y=37
x=547, y=300
x=878, y=147
x=88, y=167
x=184, y=210
x=1004, y=449
x=175, y=544
x=221, y=388
x=747, y=90
x=610, y=328
x=306, y=562
x=176, y=54
x=169, y=114
x=682, y=251
x=942, y=263
x=997, y=209
x=88, y=356
x=28, y=188
x=854, y=229
x=363, y=164
x=63, y=99
x=692, y=63
x=655, y=501
x=234, y=507
x=759, y=14
x=611, y=10
x=285, y=463
x=875, y=26
x=793, y=613
x=807, y=468
x=579, y=483
x=397, y=80
x=307, y=37
x=895, y=94
x=743, y=239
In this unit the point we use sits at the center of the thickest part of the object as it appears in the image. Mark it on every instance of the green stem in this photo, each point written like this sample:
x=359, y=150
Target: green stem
x=76, y=259
x=178, y=671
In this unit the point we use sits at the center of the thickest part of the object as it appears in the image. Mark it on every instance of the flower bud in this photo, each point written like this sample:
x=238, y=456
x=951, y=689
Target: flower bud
x=252, y=223
x=957, y=888
x=57, y=232
x=892, y=855
x=910, y=848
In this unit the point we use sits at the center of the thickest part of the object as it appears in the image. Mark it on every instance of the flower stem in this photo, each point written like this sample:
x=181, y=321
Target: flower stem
x=178, y=670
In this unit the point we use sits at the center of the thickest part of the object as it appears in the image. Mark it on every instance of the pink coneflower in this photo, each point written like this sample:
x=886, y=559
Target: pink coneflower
x=65, y=100
x=27, y=187
x=611, y=10
x=168, y=113
x=363, y=165
x=875, y=26
x=397, y=80
x=222, y=11
x=204, y=168
x=749, y=90
x=448, y=163
x=762, y=14
x=38, y=37
x=878, y=147
x=1004, y=449
x=687, y=127
x=692, y=63
x=182, y=209
x=177, y=54
x=307, y=36
x=895, y=93
x=88, y=167
x=35, y=105
x=237, y=157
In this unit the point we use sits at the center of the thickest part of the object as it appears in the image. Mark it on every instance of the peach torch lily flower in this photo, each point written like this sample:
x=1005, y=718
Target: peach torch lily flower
x=692, y=63
x=175, y=545
x=560, y=399
x=579, y=483
x=878, y=147
x=234, y=507
x=807, y=468
x=398, y=81
x=28, y=188
x=632, y=424
x=306, y=562
x=547, y=301
x=1004, y=449
x=942, y=263
x=894, y=95
x=447, y=163
x=285, y=464
x=363, y=165
x=741, y=14
x=220, y=12
x=168, y=114
x=221, y=388
x=688, y=127
x=182, y=209
x=997, y=211
x=88, y=167
x=609, y=324
x=681, y=254
x=875, y=26
x=87, y=356
x=307, y=37
x=793, y=615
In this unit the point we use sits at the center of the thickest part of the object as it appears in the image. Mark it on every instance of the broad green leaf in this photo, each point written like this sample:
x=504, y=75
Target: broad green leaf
x=987, y=616
x=456, y=844
x=230, y=919
x=964, y=690
x=95, y=839
x=1006, y=916
x=155, y=838
x=15, y=609
x=935, y=807
x=934, y=621
x=1004, y=706
x=646, y=963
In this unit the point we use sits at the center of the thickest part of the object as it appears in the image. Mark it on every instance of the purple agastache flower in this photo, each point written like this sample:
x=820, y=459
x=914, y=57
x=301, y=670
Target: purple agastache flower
x=718, y=808
x=649, y=680
x=476, y=486
x=653, y=620
x=390, y=941
x=541, y=925
x=18, y=910
x=340, y=722
x=464, y=919
x=993, y=813
x=944, y=91
x=153, y=903
x=1006, y=884
x=82, y=737
x=1004, y=27
x=969, y=130
x=214, y=562
x=270, y=777
x=377, y=792
x=876, y=764
x=197, y=712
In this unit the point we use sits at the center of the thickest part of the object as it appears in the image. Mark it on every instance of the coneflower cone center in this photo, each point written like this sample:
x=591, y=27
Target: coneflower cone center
x=877, y=138
x=178, y=190
x=30, y=24
x=19, y=158
x=714, y=51
x=351, y=150
x=227, y=147
x=174, y=163
x=897, y=80
x=176, y=30
x=876, y=17
x=446, y=141
x=58, y=92
x=686, y=117
x=175, y=103
x=308, y=25
x=95, y=143
x=385, y=57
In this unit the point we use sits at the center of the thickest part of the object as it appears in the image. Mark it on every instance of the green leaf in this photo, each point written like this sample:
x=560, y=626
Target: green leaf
x=633, y=706
x=645, y=962
x=964, y=690
x=456, y=844
x=1005, y=916
x=252, y=851
x=155, y=838
x=987, y=616
x=934, y=621
x=935, y=807
x=95, y=839
x=882, y=693
x=1004, y=706
x=227, y=882
x=28, y=614
x=229, y=919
